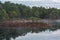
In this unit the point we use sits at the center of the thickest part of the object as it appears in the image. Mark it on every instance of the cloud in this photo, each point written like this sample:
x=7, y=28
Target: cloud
x=44, y=3
x=56, y=1
x=21, y=0
x=34, y=0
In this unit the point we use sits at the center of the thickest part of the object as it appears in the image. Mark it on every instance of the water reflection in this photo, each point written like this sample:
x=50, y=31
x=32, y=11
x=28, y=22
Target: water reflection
x=52, y=35
x=13, y=33
x=7, y=34
x=34, y=33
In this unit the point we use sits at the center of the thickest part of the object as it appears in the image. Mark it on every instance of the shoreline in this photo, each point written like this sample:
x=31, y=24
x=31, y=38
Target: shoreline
x=43, y=23
x=23, y=24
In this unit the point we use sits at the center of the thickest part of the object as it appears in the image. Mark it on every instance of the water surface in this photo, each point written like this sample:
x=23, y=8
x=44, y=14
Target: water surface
x=47, y=35
x=30, y=34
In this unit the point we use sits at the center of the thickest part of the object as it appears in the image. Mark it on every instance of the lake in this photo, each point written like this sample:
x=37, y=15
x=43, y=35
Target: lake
x=47, y=35
x=34, y=33
x=29, y=34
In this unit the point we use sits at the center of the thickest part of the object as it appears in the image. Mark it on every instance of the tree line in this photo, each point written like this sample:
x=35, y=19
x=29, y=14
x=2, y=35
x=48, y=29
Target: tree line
x=10, y=10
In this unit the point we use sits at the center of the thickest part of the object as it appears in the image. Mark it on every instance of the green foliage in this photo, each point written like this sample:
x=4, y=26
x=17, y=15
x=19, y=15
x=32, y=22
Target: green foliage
x=34, y=18
x=10, y=10
x=3, y=14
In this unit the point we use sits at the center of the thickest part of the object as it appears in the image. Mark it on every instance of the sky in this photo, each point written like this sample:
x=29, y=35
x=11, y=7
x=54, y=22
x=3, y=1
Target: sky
x=38, y=3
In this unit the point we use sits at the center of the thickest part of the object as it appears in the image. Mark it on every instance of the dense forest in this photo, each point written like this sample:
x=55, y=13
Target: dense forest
x=10, y=10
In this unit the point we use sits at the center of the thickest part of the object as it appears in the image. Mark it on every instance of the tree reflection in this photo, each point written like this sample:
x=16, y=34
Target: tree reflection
x=7, y=34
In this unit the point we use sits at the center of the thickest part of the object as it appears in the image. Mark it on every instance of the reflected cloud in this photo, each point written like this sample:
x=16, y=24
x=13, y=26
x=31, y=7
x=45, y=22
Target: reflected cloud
x=53, y=35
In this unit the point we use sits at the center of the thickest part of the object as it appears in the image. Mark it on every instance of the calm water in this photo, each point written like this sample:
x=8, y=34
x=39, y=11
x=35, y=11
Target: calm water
x=51, y=33
x=29, y=34
x=47, y=35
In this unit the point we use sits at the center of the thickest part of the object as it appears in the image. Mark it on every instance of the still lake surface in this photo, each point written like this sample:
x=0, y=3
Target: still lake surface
x=31, y=33
x=47, y=35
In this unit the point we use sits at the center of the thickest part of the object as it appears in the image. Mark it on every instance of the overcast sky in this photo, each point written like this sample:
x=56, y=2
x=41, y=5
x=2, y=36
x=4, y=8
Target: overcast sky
x=45, y=3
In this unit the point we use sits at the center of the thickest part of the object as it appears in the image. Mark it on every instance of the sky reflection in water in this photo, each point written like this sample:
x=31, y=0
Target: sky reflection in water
x=52, y=35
